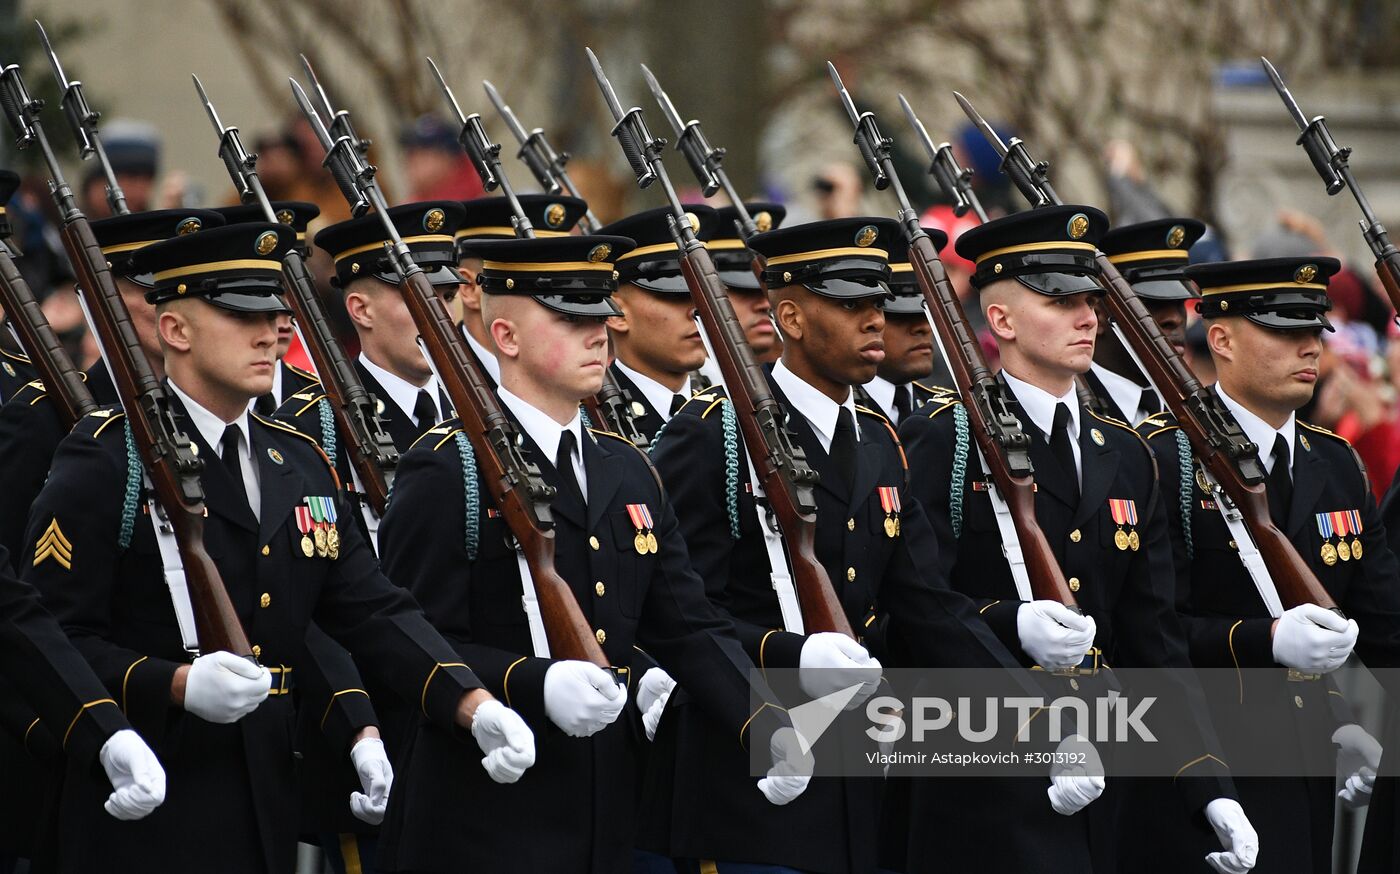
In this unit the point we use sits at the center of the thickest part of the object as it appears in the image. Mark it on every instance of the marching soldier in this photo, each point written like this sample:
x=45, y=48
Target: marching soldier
x=657, y=338
x=221, y=724
x=1097, y=501
x=15, y=367
x=734, y=263
x=1152, y=256
x=827, y=280
x=895, y=391
x=489, y=218
x=1265, y=321
x=616, y=544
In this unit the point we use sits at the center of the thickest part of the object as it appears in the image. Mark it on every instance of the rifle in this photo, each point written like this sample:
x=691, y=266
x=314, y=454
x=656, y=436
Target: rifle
x=165, y=451
x=611, y=406
x=1333, y=165
x=779, y=464
x=1227, y=455
x=1002, y=443
x=60, y=376
x=514, y=483
x=955, y=181
x=370, y=449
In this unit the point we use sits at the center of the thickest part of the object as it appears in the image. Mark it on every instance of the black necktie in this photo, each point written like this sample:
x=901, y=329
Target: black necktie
x=677, y=401
x=843, y=449
x=424, y=410
x=903, y=402
x=1060, y=445
x=1280, y=482
x=1147, y=404
x=564, y=463
x=228, y=446
x=265, y=405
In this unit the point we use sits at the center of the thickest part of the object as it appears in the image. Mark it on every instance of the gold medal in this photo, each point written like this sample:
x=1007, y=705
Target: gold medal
x=1134, y=541
x=1329, y=553
x=651, y=542
x=333, y=541
x=891, y=527
x=308, y=548
x=1120, y=539
x=897, y=526
x=1356, y=548
x=639, y=543
x=320, y=535
x=1343, y=551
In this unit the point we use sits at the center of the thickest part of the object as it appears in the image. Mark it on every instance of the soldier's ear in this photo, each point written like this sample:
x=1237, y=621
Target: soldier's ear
x=173, y=328
x=999, y=320
x=1221, y=340
x=505, y=336
x=789, y=318
x=357, y=306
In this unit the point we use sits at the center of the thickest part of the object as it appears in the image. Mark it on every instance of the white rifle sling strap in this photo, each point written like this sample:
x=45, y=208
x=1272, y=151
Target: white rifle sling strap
x=1249, y=553
x=172, y=566
x=366, y=511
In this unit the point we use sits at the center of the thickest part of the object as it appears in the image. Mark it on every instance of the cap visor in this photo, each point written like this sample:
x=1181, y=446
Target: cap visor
x=1165, y=289
x=661, y=284
x=438, y=275
x=1291, y=320
x=741, y=279
x=1057, y=284
x=599, y=305
x=249, y=302
x=849, y=289
x=905, y=305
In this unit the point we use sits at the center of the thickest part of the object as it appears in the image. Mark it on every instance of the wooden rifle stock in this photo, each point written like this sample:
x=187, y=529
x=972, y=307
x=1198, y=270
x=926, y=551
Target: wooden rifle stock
x=1388, y=270
x=62, y=380
x=776, y=460
x=1215, y=438
x=1009, y=465
x=504, y=471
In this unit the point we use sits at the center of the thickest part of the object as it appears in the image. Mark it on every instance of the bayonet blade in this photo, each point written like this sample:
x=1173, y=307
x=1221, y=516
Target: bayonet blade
x=668, y=108
x=517, y=129
x=918, y=127
x=451, y=98
x=845, y=95
x=311, y=115
x=609, y=94
x=316, y=83
x=982, y=125
x=1287, y=96
x=53, y=56
x=208, y=106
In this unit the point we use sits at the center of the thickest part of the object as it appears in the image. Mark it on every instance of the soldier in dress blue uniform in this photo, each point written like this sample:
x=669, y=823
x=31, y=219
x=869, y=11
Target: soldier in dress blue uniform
x=1152, y=256
x=616, y=544
x=828, y=281
x=1264, y=322
x=223, y=724
x=657, y=338
x=896, y=391
x=1097, y=501
x=15, y=367
x=490, y=218
x=734, y=263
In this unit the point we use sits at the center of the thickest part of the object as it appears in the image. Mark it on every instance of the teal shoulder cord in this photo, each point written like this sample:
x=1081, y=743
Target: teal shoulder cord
x=1187, y=465
x=960, y=447
x=131, y=496
x=323, y=407
x=468, y=459
x=729, y=420
x=583, y=415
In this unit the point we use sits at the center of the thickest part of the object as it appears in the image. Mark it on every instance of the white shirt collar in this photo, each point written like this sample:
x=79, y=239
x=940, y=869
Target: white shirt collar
x=1039, y=405
x=210, y=426
x=1125, y=393
x=276, y=384
x=657, y=395
x=819, y=410
x=1259, y=432
x=882, y=392
x=403, y=393
x=710, y=370
x=484, y=355
x=543, y=430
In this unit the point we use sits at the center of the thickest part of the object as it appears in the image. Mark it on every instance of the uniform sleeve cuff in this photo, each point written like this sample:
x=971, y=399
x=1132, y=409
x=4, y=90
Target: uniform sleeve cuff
x=145, y=696
x=780, y=650
x=347, y=712
x=443, y=688
x=522, y=690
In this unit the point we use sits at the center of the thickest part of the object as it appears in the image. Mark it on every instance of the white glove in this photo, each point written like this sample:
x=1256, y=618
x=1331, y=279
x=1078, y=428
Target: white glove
x=1236, y=835
x=652, y=694
x=222, y=687
x=582, y=698
x=138, y=780
x=1054, y=636
x=1311, y=639
x=506, y=740
x=1079, y=780
x=791, y=771
x=831, y=661
x=376, y=778
x=1357, y=759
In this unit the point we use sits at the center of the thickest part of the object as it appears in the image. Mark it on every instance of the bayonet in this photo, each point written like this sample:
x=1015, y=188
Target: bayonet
x=338, y=122
x=544, y=163
x=82, y=120
x=872, y=145
x=955, y=181
x=1030, y=176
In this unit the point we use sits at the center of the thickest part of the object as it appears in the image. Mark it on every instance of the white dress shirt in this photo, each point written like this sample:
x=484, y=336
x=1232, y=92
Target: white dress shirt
x=883, y=392
x=211, y=428
x=657, y=395
x=1259, y=432
x=546, y=432
x=1039, y=405
x=1126, y=394
x=403, y=393
x=819, y=410
x=485, y=356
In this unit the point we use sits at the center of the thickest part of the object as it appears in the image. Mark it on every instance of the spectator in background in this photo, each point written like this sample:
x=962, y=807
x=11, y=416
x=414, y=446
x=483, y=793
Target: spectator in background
x=839, y=187
x=133, y=147
x=280, y=163
x=434, y=164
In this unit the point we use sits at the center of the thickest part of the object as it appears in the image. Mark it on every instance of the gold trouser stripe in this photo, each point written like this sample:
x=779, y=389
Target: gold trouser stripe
x=423, y=699
x=127, y=677
x=36, y=721
x=545, y=266
x=643, y=251
x=379, y=244
x=818, y=254
x=505, y=681
x=1264, y=286
x=501, y=231
x=1196, y=761
x=331, y=703
x=707, y=866
x=79, y=715
x=1149, y=254
x=1036, y=247
x=116, y=248
x=761, y=645
x=350, y=853
x=217, y=266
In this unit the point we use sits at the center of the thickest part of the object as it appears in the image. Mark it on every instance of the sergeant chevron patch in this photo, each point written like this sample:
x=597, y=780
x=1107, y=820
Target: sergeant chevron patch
x=53, y=544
